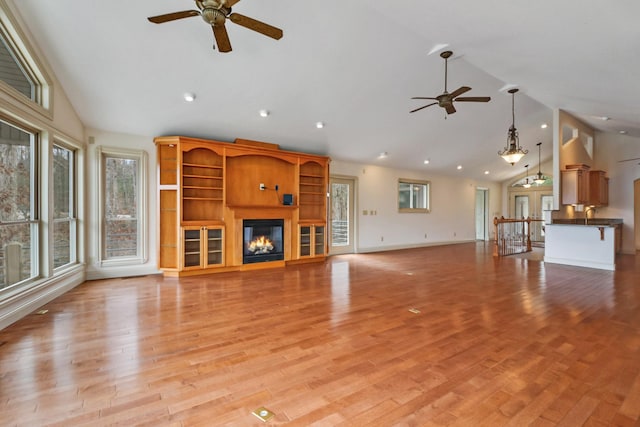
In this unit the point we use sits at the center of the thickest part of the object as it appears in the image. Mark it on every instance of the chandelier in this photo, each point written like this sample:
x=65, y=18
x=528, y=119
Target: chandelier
x=540, y=179
x=527, y=184
x=512, y=153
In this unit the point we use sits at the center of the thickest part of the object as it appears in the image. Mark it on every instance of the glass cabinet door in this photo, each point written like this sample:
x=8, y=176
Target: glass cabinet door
x=318, y=240
x=192, y=247
x=214, y=246
x=305, y=240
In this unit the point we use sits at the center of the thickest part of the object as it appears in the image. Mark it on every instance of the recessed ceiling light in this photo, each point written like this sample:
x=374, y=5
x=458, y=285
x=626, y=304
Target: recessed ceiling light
x=426, y=162
x=605, y=118
x=189, y=97
x=383, y=155
x=622, y=132
x=486, y=172
x=459, y=167
x=544, y=126
x=319, y=125
x=264, y=113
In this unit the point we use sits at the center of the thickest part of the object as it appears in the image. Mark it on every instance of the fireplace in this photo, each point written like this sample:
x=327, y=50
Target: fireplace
x=262, y=240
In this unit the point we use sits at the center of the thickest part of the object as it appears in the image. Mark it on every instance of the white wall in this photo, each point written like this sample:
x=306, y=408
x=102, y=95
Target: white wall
x=610, y=148
x=452, y=216
x=118, y=140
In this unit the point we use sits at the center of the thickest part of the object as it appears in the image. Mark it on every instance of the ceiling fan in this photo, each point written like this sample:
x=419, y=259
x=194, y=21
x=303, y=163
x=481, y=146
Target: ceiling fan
x=446, y=99
x=215, y=13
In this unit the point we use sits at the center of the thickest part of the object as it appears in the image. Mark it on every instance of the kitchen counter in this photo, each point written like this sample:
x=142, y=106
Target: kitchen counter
x=574, y=243
x=590, y=221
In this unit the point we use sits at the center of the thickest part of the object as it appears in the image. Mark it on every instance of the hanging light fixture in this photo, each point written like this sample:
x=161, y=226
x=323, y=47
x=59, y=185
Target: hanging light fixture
x=526, y=181
x=512, y=153
x=540, y=179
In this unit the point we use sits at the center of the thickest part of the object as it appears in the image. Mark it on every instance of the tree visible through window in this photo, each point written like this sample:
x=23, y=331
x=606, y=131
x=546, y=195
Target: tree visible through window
x=18, y=226
x=64, y=216
x=121, y=207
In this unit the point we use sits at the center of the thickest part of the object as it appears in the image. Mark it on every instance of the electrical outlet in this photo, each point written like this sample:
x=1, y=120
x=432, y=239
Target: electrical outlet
x=261, y=187
x=382, y=238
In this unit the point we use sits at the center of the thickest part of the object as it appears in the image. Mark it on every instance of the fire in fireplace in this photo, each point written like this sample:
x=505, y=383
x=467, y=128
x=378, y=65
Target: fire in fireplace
x=263, y=240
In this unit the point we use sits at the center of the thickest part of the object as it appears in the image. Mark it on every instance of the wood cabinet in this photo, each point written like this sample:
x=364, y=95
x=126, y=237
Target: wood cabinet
x=575, y=185
x=598, y=188
x=312, y=240
x=582, y=186
x=202, y=247
x=207, y=188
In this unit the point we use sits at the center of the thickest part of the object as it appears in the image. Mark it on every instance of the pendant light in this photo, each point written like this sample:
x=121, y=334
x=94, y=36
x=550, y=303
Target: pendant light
x=526, y=181
x=540, y=179
x=512, y=153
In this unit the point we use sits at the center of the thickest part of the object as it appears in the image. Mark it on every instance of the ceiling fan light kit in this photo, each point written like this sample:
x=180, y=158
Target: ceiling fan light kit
x=215, y=13
x=513, y=152
x=446, y=99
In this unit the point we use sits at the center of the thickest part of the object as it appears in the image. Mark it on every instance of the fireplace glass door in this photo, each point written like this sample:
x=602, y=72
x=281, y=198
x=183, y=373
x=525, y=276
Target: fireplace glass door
x=263, y=240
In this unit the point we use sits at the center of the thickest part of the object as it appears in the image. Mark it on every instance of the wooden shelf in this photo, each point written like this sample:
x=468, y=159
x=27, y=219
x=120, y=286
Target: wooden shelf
x=210, y=185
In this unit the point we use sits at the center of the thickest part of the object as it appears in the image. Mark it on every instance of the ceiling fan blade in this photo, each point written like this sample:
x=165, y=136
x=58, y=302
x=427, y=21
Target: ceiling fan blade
x=255, y=25
x=422, y=97
x=230, y=3
x=459, y=91
x=474, y=99
x=418, y=109
x=173, y=16
x=222, y=38
x=450, y=109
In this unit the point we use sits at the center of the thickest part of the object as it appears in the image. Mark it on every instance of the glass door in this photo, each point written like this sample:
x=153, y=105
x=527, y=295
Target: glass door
x=341, y=215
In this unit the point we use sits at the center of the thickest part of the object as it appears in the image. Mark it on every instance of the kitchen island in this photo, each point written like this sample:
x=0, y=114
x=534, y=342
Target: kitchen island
x=591, y=243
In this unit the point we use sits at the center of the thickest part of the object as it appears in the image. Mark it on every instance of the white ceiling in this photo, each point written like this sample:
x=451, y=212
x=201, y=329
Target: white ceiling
x=353, y=65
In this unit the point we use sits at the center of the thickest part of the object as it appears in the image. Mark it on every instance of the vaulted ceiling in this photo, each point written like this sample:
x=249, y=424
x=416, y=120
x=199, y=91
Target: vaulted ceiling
x=354, y=66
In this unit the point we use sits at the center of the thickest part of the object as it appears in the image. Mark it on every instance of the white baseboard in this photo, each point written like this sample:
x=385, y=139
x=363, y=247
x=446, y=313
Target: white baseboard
x=413, y=246
x=20, y=302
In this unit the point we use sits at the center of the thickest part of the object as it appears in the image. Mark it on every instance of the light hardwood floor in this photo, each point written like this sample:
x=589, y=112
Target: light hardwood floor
x=508, y=341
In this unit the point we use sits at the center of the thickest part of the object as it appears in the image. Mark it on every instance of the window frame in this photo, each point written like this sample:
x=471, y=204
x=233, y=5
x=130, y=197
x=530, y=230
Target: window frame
x=427, y=195
x=141, y=157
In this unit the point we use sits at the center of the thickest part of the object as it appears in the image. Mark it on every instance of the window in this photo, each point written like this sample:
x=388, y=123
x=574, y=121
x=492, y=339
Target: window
x=12, y=73
x=413, y=195
x=19, y=227
x=18, y=71
x=64, y=208
x=123, y=206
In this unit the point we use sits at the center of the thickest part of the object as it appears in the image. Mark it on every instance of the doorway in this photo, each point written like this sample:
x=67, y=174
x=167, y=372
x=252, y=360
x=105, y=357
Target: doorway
x=341, y=215
x=531, y=203
x=482, y=214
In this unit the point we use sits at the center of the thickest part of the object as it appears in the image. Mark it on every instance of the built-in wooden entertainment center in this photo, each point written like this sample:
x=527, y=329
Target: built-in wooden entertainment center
x=210, y=193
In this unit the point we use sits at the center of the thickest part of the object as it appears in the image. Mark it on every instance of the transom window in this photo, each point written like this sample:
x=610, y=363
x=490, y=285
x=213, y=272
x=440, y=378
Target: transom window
x=12, y=72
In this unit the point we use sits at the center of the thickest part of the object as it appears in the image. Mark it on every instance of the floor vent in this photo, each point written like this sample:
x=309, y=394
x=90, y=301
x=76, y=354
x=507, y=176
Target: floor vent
x=263, y=414
x=414, y=310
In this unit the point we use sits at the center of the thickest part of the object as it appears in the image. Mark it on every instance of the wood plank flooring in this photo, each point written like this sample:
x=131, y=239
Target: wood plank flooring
x=494, y=342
